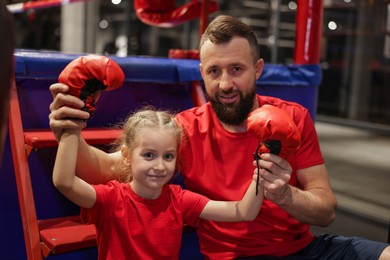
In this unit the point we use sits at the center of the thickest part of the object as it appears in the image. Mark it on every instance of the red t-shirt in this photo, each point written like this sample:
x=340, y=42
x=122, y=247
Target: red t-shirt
x=131, y=227
x=218, y=164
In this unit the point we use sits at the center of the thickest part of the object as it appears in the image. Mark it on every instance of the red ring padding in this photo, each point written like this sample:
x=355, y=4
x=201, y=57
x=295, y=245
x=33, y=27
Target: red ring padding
x=166, y=14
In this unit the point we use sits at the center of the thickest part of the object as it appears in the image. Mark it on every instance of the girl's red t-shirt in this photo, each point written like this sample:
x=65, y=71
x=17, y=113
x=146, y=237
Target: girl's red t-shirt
x=132, y=227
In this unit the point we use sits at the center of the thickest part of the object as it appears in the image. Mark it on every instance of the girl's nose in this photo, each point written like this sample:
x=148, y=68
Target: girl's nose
x=159, y=165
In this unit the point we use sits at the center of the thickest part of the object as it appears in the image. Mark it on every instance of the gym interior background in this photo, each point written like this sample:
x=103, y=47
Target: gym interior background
x=354, y=91
x=355, y=48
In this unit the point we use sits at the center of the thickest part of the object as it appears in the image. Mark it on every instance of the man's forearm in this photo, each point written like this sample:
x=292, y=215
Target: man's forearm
x=96, y=166
x=314, y=207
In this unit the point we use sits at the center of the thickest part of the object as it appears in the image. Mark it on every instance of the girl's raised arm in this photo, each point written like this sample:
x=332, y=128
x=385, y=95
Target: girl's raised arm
x=64, y=173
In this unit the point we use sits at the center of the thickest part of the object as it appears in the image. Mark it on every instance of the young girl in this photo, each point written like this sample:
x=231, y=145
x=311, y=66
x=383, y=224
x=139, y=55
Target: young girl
x=143, y=218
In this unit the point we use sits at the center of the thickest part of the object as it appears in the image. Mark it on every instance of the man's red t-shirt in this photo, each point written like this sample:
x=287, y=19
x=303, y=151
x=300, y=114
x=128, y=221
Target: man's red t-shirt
x=219, y=165
x=131, y=227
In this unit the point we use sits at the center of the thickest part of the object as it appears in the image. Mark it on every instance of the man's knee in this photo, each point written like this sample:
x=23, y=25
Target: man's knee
x=385, y=254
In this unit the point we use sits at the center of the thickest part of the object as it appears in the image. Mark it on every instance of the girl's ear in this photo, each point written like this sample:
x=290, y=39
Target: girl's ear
x=125, y=155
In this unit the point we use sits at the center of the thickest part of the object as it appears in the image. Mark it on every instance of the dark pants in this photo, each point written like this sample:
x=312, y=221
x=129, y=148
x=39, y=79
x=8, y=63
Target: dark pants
x=330, y=247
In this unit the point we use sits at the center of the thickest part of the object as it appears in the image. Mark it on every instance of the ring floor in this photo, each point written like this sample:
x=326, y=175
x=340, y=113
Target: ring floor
x=358, y=162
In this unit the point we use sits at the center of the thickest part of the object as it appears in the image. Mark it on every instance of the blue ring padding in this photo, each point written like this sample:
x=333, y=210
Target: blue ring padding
x=48, y=65
x=36, y=70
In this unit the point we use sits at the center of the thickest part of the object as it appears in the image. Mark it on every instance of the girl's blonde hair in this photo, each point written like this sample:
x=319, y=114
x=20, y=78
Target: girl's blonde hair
x=145, y=118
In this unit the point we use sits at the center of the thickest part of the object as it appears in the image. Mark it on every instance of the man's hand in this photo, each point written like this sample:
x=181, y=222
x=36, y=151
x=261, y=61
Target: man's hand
x=275, y=174
x=65, y=110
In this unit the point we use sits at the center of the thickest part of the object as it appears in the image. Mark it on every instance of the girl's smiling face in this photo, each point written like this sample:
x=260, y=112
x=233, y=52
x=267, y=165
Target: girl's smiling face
x=152, y=161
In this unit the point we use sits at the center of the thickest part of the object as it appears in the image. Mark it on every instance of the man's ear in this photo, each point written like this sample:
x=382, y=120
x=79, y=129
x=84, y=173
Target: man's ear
x=201, y=69
x=125, y=155
x=259, y=67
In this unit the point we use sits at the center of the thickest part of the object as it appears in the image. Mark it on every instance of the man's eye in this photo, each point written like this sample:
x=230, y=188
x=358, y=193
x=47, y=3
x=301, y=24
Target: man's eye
x=236, y=69
x=213, y=71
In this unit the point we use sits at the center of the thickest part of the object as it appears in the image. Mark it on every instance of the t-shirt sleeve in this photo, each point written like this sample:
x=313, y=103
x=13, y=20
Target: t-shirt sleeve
x=309, y=153
x=192, y=205
x=98, y=213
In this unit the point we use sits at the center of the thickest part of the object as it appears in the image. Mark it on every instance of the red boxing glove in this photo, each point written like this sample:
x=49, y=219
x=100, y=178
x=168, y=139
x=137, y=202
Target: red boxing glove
x=87, y=75
x=165, y=13
x=276, y=131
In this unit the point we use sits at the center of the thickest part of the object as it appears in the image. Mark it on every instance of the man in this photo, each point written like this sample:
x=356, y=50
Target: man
x=217, y=159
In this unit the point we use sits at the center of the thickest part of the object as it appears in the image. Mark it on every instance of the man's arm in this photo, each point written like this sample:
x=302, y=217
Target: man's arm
x=96, y=166
x=315, y=202
x=312, y=203
x=93, y=165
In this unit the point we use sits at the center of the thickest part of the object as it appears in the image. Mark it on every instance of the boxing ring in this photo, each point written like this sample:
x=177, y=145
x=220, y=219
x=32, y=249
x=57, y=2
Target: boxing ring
x=162, y=82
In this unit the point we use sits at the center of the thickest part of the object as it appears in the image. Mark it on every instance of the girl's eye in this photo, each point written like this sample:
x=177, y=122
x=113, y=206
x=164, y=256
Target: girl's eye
x=149, y=155
x=169, y=156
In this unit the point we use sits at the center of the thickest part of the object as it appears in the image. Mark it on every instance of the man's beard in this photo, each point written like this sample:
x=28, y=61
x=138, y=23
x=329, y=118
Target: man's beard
x=232, y=114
